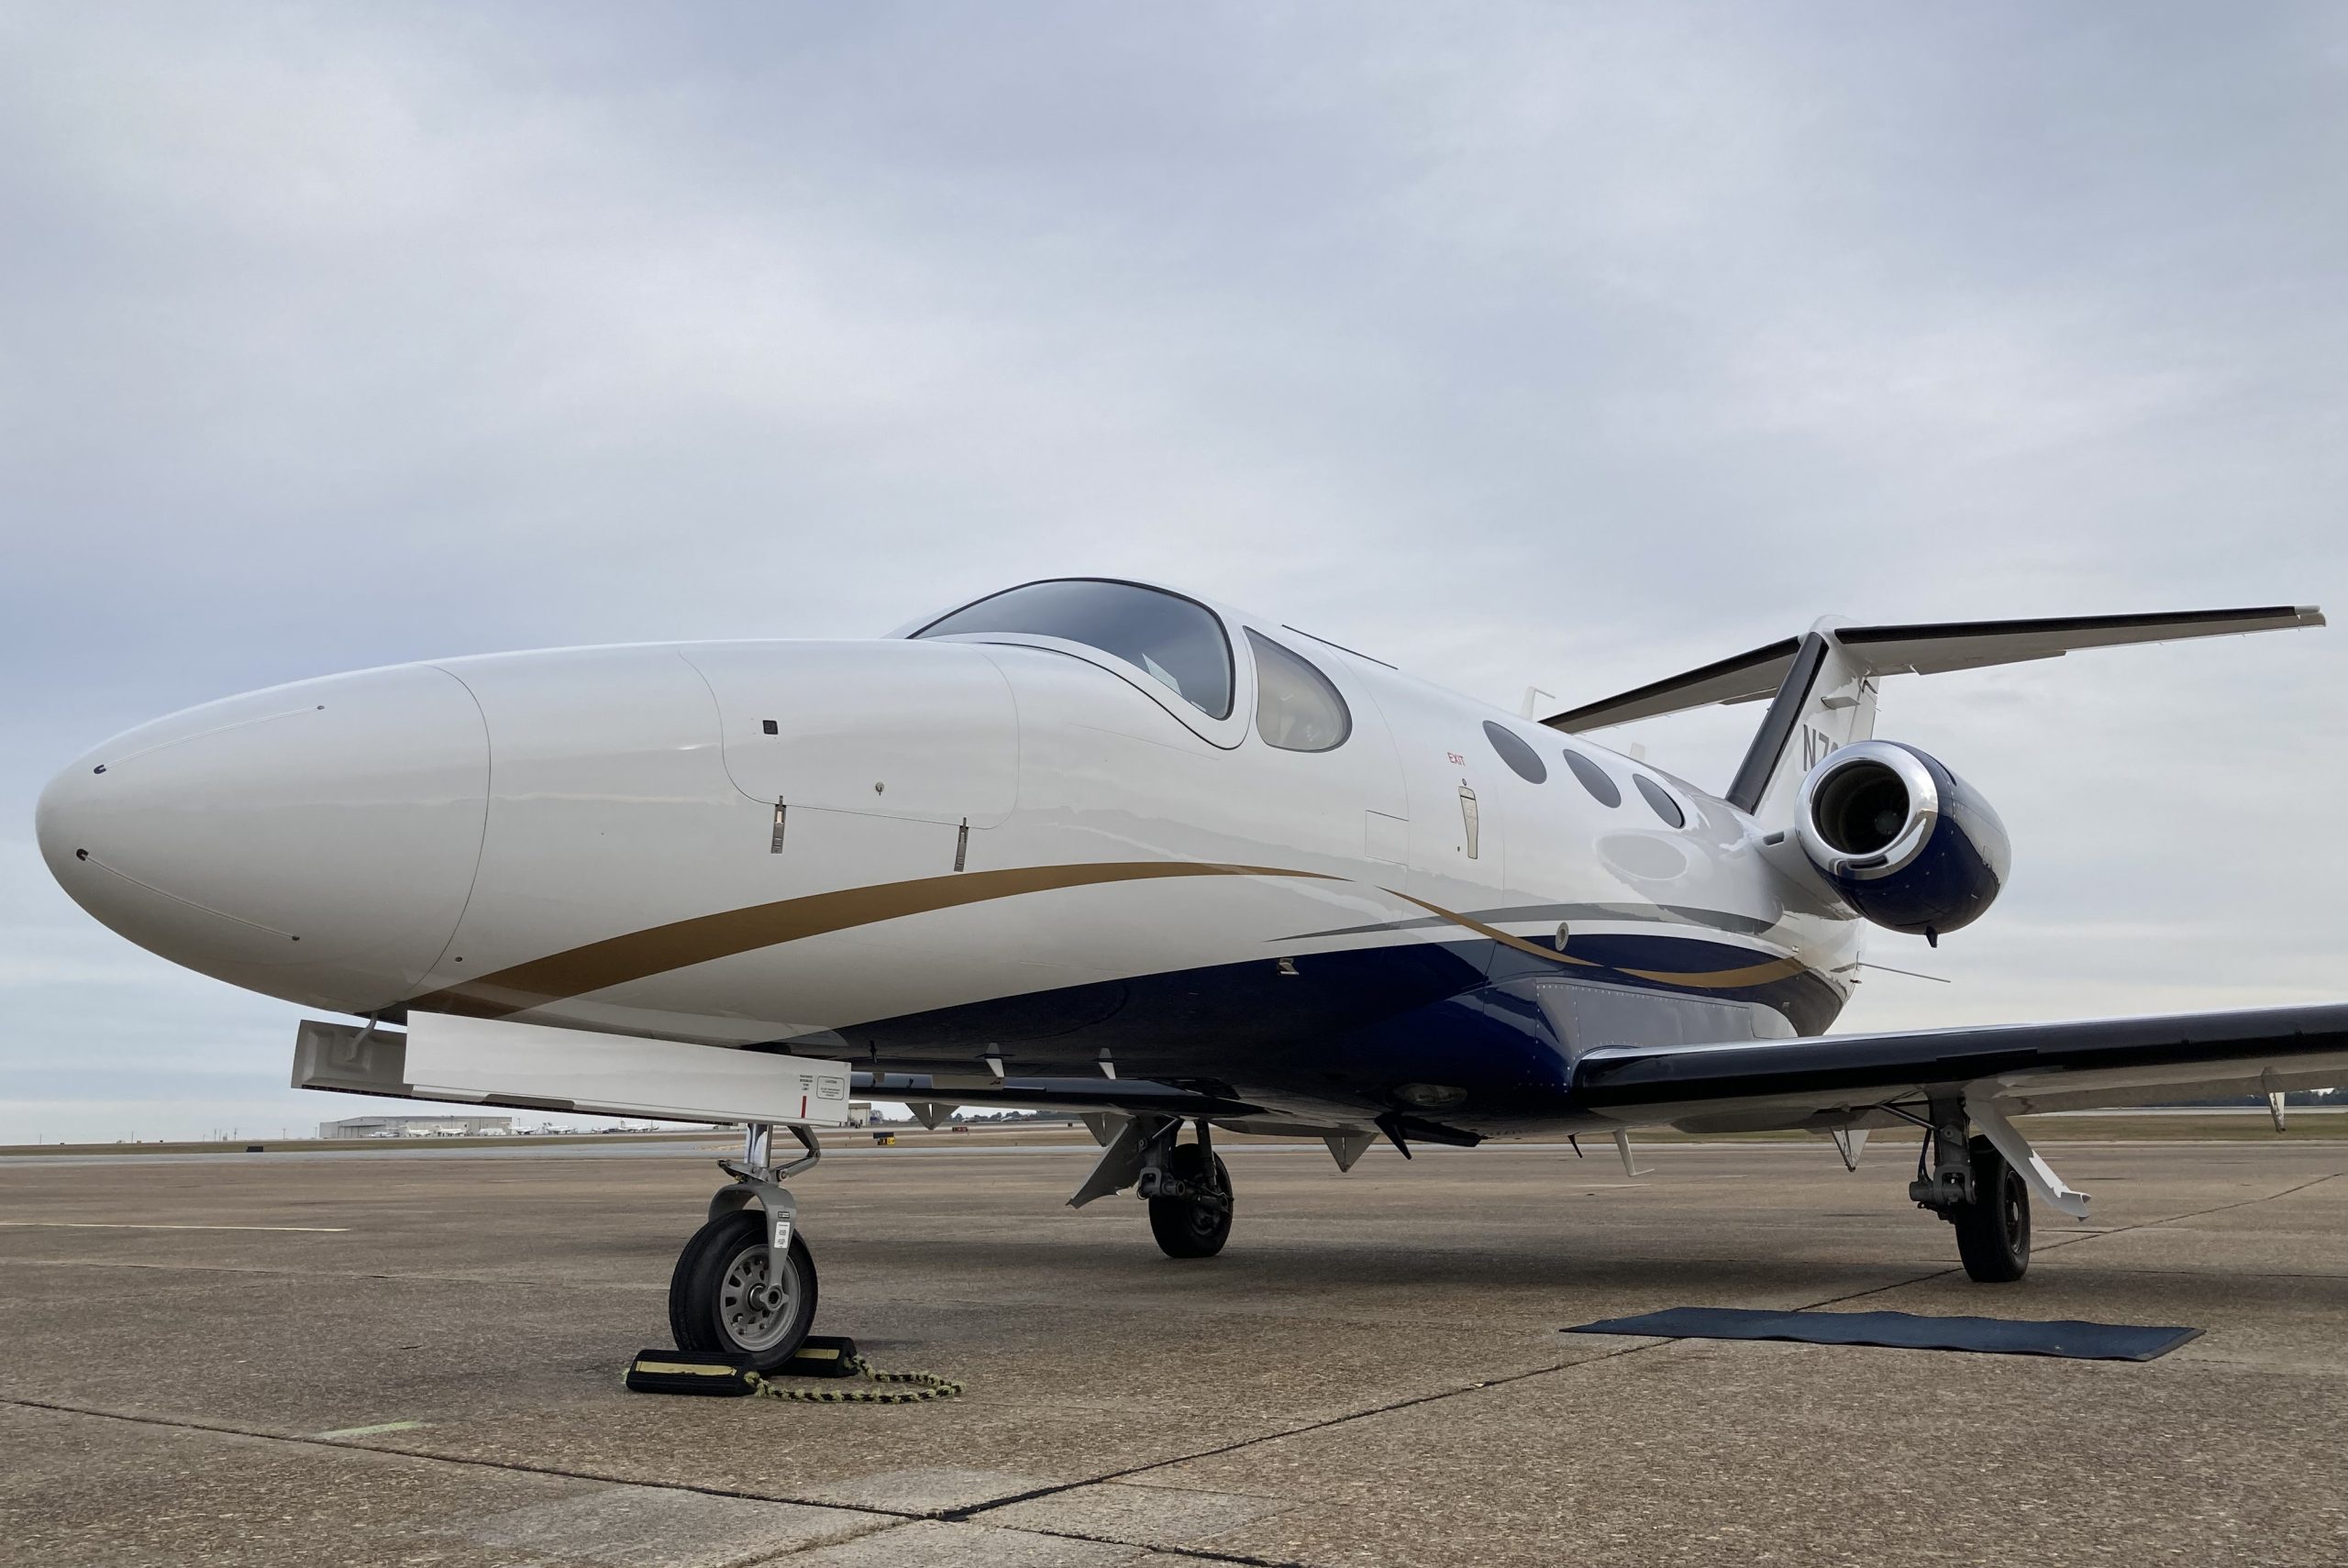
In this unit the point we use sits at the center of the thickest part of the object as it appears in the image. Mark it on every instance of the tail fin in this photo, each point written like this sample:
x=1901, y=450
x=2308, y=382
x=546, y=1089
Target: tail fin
x=1822, y=685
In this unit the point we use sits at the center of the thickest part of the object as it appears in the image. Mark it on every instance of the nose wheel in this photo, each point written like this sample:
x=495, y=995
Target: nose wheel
x=745, y=1285
x=729, y=1296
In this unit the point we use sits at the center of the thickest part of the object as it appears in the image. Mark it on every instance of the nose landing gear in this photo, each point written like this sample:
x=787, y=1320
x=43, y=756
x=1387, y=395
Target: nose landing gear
x=745, y=1283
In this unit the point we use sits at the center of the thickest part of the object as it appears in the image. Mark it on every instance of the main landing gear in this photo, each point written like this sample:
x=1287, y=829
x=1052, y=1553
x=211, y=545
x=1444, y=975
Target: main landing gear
x=745, y=1285
x=1968, y=1182
x=1187, y=1185
x=1190, y=1198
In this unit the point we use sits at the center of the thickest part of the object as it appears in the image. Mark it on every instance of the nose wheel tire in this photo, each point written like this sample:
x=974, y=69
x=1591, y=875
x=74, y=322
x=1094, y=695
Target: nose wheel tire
x=1194, y=1226
x=727, y=1296
x=1993, y=1231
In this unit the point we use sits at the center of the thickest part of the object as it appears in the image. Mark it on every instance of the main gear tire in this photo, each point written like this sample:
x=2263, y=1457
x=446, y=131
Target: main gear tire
x=1190, y=1227
x=1993, y=1231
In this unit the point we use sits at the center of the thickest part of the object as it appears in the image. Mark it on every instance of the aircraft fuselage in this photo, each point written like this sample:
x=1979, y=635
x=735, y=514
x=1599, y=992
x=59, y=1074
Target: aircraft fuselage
x=919, y=855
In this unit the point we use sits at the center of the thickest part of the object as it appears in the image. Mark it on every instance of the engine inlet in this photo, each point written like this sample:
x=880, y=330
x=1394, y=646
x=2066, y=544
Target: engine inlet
x=1860, y=807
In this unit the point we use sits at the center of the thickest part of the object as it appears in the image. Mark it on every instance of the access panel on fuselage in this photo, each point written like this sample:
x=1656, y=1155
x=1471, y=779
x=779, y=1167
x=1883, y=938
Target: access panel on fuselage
x=922, y=731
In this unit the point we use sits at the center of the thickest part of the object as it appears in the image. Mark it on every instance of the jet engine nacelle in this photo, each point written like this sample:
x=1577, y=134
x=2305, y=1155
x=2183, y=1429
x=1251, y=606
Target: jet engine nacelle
x=1907, y=842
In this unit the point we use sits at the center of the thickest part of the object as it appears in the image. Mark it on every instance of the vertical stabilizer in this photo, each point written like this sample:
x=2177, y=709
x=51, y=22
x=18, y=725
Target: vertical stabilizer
x=1826, y=701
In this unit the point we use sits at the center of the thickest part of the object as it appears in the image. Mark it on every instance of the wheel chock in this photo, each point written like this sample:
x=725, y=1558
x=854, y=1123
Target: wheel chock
x=821, y=1356
x=728, y=1376
x=715, y=1373
x=688, y=1372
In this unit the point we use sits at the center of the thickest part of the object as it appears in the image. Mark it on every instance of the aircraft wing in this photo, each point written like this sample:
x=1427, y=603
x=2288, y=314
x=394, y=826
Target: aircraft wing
x=1837, y=1080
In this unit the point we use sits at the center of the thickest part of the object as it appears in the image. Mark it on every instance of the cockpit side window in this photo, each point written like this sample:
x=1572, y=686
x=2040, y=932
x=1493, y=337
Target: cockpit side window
x=1177, y=640
x=1296, y=708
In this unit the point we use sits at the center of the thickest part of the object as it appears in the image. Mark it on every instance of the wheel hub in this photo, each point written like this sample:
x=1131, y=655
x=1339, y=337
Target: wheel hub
x=756, y=1308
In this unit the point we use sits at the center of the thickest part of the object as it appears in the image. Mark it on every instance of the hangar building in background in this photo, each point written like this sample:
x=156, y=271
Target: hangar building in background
x=417, y=1127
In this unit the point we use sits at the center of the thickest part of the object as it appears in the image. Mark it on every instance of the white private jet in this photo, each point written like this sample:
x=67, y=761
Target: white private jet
x=1092, y=844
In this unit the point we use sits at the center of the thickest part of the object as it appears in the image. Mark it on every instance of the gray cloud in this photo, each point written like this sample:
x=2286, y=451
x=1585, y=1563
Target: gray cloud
x=1567, y=346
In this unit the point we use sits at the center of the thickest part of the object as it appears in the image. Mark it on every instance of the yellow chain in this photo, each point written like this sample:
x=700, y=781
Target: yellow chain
x=932, y=1386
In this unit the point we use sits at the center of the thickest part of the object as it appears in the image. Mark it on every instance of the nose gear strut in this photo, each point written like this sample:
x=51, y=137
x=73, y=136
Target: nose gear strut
x=745, y=1285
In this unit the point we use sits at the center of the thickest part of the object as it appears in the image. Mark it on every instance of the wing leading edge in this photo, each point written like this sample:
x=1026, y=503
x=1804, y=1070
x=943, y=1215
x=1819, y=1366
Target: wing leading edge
x=2088, y=1065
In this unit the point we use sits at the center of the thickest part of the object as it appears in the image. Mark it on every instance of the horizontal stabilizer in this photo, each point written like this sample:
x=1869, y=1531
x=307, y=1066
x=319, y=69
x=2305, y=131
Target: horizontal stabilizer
x=1931, y=648
x=1746, y=678
x=1924, y=648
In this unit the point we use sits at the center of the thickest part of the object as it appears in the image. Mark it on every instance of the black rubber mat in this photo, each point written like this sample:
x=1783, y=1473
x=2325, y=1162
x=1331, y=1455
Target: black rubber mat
x=1905, y=1330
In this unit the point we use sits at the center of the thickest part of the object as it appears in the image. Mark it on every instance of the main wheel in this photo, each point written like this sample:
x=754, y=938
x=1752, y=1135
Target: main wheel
x=727, y=1296
x=1184, y=1227
x=1993, y=1231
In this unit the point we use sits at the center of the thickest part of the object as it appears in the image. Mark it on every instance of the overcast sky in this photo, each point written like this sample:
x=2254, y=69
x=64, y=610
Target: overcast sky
x=1517, y=344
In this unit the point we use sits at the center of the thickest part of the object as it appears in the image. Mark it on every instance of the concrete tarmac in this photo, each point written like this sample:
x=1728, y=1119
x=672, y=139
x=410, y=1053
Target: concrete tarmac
x=417, y=1361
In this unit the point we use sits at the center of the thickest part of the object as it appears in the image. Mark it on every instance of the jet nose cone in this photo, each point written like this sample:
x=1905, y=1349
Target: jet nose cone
x=314, y=842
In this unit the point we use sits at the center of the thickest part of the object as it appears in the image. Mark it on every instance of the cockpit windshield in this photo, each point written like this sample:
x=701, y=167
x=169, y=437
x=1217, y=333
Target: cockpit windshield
x=1177, y=640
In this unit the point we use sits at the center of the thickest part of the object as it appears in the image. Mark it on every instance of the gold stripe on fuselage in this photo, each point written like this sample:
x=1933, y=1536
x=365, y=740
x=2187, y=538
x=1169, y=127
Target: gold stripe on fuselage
x=1710, y=979
x=1724, y=979
x=679, y=944
x=1495, y=933
x=655, y=950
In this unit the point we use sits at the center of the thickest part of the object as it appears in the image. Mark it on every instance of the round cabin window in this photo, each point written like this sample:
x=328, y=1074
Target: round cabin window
x=1594, y=778
x=1521, y=759
x=1664, y=806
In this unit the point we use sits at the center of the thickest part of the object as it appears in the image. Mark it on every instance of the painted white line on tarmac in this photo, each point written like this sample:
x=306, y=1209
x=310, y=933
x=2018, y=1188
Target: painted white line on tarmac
x=368, y=1431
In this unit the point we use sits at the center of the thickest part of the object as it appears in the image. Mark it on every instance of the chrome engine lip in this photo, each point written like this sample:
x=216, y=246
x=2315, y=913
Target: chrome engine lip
x=1924, y=812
